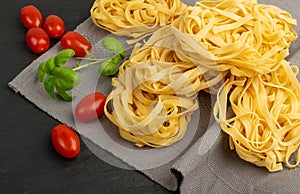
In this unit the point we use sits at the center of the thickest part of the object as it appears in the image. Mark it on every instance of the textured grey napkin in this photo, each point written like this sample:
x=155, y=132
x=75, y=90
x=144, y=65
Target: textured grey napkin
x=203, y=170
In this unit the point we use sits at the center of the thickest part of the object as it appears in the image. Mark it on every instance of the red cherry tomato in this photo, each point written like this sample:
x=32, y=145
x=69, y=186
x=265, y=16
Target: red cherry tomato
x=37, y=40
x=75, y=41
x=90, y=107
x=31, y=16
x=54, y=26
x=65, y=141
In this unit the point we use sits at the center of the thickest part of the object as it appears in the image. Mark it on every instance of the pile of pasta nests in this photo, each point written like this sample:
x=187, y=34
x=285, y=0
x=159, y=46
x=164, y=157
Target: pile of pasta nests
x=234, y=49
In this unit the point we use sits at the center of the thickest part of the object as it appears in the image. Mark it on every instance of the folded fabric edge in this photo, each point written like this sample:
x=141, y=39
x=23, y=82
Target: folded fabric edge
x=171, y=185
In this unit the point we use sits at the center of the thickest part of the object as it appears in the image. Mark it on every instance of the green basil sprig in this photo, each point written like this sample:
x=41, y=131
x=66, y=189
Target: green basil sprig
x=57, y=79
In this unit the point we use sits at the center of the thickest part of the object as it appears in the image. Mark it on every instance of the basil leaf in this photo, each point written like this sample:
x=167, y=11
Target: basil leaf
x=65, y=78
x=59, y=79
x=50, y=66
x=113, y=45
x=64, y=95
x=108, y=68
x=63, y=56
x=49, y=86
x=41, y=72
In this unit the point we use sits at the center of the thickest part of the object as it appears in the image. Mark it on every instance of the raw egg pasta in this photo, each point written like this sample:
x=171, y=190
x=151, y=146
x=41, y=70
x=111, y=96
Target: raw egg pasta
x=233, y=48
x=148, y=118
x=266, y=127
x=249, y=41
x=156, y=90
x=135, y=18
x=244, y=38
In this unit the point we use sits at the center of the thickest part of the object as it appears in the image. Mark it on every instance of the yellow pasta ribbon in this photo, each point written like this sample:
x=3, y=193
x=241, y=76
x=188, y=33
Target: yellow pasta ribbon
x=137, y=18
x=156, y=90
x=244, y=38
x=265, y=127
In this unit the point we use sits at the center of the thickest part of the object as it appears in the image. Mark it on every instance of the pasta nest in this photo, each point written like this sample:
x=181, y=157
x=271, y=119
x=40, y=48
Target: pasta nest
x=134, y=18
x=244, y=37
x=266, y=126
x=156, y=90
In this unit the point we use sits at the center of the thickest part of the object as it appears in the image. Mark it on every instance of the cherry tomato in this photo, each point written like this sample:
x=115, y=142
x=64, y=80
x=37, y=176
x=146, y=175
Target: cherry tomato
x=54, y=26
x=75, y=41
x=37, y=40
x=90, y=107
x=65, y=141
x=31, y=16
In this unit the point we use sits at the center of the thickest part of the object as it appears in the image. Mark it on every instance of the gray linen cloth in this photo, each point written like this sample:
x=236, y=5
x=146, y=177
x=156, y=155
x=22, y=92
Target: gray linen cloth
x=201, y=163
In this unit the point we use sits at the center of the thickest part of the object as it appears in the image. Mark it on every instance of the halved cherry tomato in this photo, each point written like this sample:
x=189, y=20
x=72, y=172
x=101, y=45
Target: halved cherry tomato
x=65, y=141
x=77, y=42
x=31, y=16
x=54, y=26
x=90, y=107
x=37, y=40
